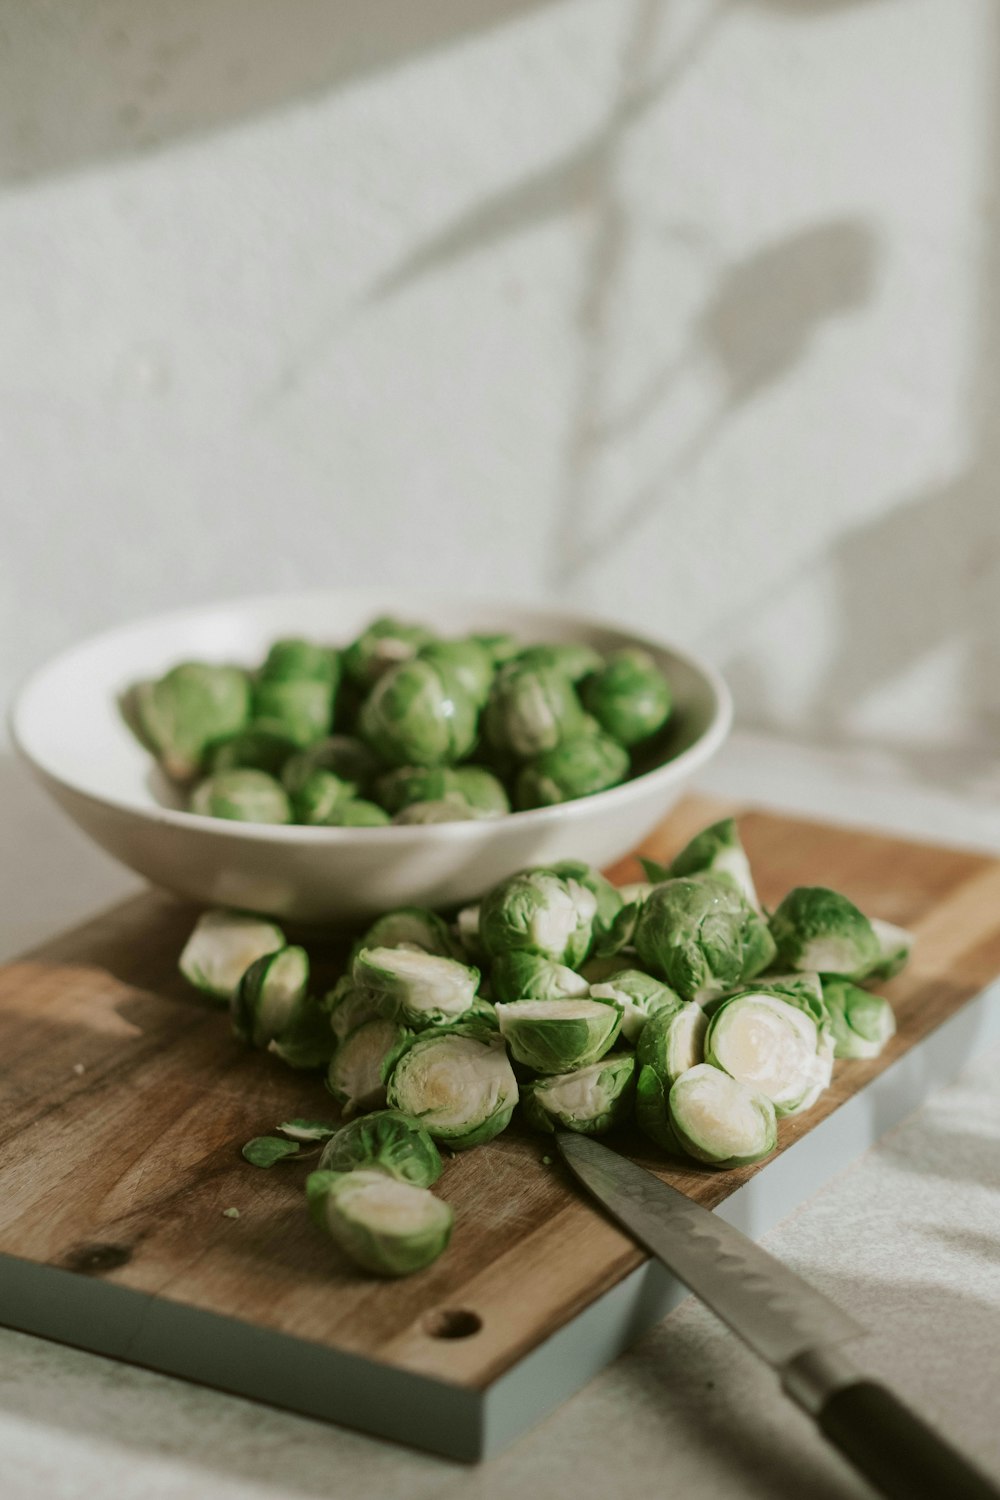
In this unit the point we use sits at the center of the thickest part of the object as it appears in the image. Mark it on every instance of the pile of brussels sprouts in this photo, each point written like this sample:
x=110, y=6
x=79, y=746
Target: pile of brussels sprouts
x=678, y=1003
x=400, y=727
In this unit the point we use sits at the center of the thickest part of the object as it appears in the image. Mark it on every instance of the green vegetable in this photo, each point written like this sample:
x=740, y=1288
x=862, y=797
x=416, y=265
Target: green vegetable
x=410, y=927
x=590, y=1100
x=720, y=1121
x=268, y=993
x=573, y=659
x=578, y=767
x=222, y=947
x=452, y=809
x=300, y=708
x=355, y=812
x=348, y=1007
x=671, y=1043
x=385, y=644
x=502, y=648
x=389, y=1140
x=770, y=1045
x=184, y=712
x=538, y=911
x=717, y=850
x=702, y=936
x=468, y=662
x=481, y=790
x=629, y=697
x=420, y=989
x=348, y=758
x=252, y=749
x=308, y=1130
x=362, y=1063
x=418, y=714
x=387, y=1227
x=861, y=1022
x=820, y=930
x=530, y=710
x=558, y=1036
x=458, y=1083
x=467, y=934
x=295, y=658
x=244, y=796
x=640, y=996
x=319, y=800
x=265, y=1150
x=895, y=945
x=607, y=896
x=528, y=976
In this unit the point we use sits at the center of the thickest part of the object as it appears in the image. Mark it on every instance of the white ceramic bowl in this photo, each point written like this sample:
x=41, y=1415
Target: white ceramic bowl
x=66, y=722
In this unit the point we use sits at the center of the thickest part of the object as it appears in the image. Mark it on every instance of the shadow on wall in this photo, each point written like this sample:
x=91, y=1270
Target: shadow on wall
x=86, y=81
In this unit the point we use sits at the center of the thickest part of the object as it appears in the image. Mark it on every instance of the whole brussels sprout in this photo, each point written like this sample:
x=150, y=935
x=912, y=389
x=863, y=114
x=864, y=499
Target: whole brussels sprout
x=187, y=709
x=579, y=767
x=319, y=798
x=629, y=697
x=821, y=931
x=295, y=657
x=468, y=661
x=538, y=911
x=300, y=708
x=385, y=1226
x=387, y=1140
x=717, y=850
x=417, y=714
x=244, y=796
x=482, y=790
x=861, y=1022
x=501, y=648
x=345, y=756
x=384, y=644
x=608, y=897
x=453, y=809
x=589, y=1100
x=355, y=812
x=702, y=936
x=404, y=785
x=530, y=710
x=573, y=659
x=252, y=749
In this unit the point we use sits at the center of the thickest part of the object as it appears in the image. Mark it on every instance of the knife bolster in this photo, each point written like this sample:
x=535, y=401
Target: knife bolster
x=811, y=1378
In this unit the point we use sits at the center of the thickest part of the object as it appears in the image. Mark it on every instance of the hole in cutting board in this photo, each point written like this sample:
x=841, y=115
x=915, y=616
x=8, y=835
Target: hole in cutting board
x=452, y=1323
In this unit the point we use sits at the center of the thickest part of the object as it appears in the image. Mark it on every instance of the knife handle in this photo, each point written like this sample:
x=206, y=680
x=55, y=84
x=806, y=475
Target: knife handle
x=897, y=1452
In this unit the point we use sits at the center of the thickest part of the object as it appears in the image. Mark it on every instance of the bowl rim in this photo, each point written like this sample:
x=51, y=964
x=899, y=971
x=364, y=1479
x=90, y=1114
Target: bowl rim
x=687, y=761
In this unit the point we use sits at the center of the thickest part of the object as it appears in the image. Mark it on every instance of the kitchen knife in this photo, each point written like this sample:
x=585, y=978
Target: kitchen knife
x=795, y=1328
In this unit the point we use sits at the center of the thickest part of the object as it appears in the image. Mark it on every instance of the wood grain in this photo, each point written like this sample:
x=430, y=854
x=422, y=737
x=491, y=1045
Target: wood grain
x=124, y=1102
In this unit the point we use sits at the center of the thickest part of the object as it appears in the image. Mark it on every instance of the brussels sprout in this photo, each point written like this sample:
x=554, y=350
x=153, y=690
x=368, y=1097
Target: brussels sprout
x=600, y=970
x=720, y=1121
x=268, y=992
x=590, y=1100
x=558, y=1036
x=481, y=790
x=573, y=659
x=300, y=708
x=608, y=897
x=629, y=697
x=362, y=1063
x=347, y=1007
x=222, y=947
x=243, y=796
x=467, y=933
x=468, y=661
x=502, y=648
x=671, y=1043
x=419, y=989
x=458, y=1082
x=318, y=800
x=895, y=945
x=861, y=1022
x=820, y=930
x=805, y=991
x=404, y=785
x=579, y=767
x=539, y=912
x=355, y=812
x=389, y=1140
x=640, y=997
x=635, y=892
x=452, y=809
x=702, y=935
x=410, y=927
x=770, y=1045
x=296, y=658
x=384, y=1226
x=253, y=749
x=182, y=713
x=385, y=644
x=345, y=756
x=717, y=850
x=418, y=715
x=530, y=710
x=306, y=1040
x=529, y=976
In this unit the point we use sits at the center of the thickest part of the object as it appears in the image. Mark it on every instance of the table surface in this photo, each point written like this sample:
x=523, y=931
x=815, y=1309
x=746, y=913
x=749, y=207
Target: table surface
x=907, y=1238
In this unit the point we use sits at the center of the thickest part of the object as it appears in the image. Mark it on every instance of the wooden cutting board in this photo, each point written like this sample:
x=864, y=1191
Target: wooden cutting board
x=124, y=1101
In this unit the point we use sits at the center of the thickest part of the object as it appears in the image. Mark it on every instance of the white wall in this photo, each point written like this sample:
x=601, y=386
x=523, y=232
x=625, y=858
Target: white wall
x=682, y=309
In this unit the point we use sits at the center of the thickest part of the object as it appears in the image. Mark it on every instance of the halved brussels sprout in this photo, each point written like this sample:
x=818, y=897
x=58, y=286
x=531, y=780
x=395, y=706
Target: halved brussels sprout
x=720, y=1121
x=347, y=1007
x=268, y=992
x=672, y=1043
x=410, y=927
x=861, y=1022
x=469, y=662
x=822, y=931
x=629, y=697
x=301, y=708
x=558, y=1036
x=717, y=850
x=572, y=658
x=389, y=1140
x=420, y=989
x=539, y=912
x=895, y=945
x=702, y=935
x=222, y=947
x=385, y=1226
x=252, y=749
x=458, y=1082
x=295, y=657
x=417, y=714
x=318, y=800
x=769, y=1044
x=530, y=710
x=589, y=1100
x=640, y=996
x=578, y=767
x=243, y=796
x=361, y=1065
x=528, y=976
x=384, y=644
x=186, y=710
x=345, y=756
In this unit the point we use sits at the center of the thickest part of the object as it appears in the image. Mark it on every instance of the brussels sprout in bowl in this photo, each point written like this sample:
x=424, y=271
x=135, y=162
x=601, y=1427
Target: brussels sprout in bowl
x=68, y=723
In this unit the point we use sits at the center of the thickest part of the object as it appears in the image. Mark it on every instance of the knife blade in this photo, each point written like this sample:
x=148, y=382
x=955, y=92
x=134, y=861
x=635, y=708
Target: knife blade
x=796, y=1328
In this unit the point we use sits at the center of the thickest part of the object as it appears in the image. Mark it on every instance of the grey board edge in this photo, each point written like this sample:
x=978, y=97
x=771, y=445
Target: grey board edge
x=443, y=1418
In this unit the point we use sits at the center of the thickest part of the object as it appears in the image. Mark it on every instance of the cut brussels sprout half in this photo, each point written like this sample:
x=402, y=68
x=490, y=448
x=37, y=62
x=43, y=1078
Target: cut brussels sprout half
x=420, y=989
x=362, y=1063
x=702, y=935
x=558, y=1036
x=529, y=976
x=389, y=1140
x=771, y=1045
x=185, y=711
x=720, y=1121
x=589, y=1101
x=417, y=714
x=579, y=766
x=821, y=931
x=717, y=850
x=348, y=1007
x=410, y=927
x=629, y=697
x=640, y=997
x=242, y=796
x=384, y=1226
x=539, y=912
x=671, y=1044
x=861, y=1022
x=267, y=994
x=306, y=1040
x=530, y=710
x=458, y=1083
x=222, y=947
x=895, y=945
